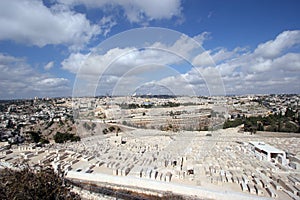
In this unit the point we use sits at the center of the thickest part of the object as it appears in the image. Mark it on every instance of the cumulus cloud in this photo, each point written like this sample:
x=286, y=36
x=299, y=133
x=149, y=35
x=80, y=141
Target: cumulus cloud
x=289, y=62
x=49, y=65
x=241, y=70
x=272, y=67
x=125, y=58
x=136, y=10
x=32, y=23
x=200, y=38
x=106, y=24
x=134, y=64
x=20, y=80
x=74, y=62
x=107, y=69
x=282, y=42
x=117, y=61
x=204, y=59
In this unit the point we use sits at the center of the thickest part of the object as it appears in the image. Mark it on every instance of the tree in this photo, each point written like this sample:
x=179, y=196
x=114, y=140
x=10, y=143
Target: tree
x=260, y=127
x=93, y=126
x=35, y=136
x=64, y=137
x=250, y=125
x=232, y=123
x=105, y=131
x=111, y=128
x=26, y=184
x=289, y=113
x=87, y=126
x=10, y=124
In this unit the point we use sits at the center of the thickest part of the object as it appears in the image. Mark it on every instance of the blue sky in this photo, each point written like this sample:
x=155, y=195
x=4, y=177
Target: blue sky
x=254, y=46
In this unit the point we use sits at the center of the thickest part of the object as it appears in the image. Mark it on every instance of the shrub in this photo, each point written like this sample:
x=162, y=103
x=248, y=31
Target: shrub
x=25, y=184
x=64, y=137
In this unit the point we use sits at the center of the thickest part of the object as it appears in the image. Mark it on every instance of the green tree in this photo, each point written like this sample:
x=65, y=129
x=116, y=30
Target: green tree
x=35, y=136
x=232, y=123
x=93, y=126
x=289, y=113
x=64, y=137
x=26, y=184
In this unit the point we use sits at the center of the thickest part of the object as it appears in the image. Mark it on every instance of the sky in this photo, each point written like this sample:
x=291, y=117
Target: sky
x=56, y=48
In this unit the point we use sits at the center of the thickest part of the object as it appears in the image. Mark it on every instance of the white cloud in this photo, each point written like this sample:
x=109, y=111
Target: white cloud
x=261, y=66
x=126, y=58
x=283, y=41
x=271, y=68
x=224, y=54
x=93, y=65
x=204, y=59
x=155, y=9
x=136, y=10
x=46, y=83
x=74, y=62
x=49, y=65
x=19, y=80
x=289, y=62
x=184, y=46
x=242, y=70
x=200, y=38
x=31, y=23
x=106, y=24
x=118, y=62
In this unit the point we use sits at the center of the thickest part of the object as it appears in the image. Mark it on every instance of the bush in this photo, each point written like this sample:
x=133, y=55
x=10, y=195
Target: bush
x=170, y=104
x=290, y=127
x=133, y=106
x=44, y=141
x=87, y=126
x=105, y=131
x=25, y=184
x=93, y=126
x=36, y=137
x=273, y=123
x=64, y=137
x=111, y=128
x=234, y=123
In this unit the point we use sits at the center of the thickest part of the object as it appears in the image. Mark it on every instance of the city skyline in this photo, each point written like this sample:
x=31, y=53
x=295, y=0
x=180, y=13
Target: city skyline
x=254, y=45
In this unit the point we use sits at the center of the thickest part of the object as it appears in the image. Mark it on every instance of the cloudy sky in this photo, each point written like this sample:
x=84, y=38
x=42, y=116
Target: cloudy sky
x=66, y=47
